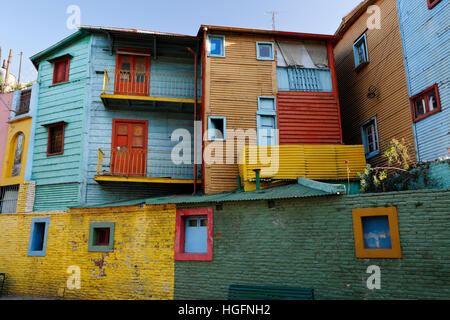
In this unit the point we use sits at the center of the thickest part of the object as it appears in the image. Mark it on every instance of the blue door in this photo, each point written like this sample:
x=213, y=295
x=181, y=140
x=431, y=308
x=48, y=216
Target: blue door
x=196, y=234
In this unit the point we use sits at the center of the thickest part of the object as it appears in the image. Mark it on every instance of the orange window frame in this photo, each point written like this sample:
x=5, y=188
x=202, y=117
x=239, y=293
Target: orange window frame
x=432, y=3
x=361, y=251
x=434, y=88
x=128, y=51
x=49, y=128
x=65, y=61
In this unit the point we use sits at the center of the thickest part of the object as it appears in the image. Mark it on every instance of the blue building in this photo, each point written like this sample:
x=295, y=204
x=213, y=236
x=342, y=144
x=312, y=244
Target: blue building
x=424, y=27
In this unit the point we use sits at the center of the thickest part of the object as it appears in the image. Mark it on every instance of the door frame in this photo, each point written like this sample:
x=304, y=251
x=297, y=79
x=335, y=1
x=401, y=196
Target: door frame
x=133, y=53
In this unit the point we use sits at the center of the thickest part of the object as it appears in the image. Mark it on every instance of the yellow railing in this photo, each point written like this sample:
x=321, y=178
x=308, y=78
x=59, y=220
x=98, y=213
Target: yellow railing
x=155, y=84
x=289, y=162
x=142, y=163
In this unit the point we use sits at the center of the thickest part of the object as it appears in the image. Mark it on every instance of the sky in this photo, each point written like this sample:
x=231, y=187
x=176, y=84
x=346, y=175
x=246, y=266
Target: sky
x=30, y=26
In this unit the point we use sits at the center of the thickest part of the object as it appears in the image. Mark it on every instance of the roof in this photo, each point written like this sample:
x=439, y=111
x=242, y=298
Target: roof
x=304, y=188
x=133, y=31
x=350, y=18
x=312, y=36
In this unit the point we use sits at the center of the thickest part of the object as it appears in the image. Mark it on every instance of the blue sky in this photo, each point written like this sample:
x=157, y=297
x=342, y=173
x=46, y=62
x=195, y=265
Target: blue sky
x=31, y=26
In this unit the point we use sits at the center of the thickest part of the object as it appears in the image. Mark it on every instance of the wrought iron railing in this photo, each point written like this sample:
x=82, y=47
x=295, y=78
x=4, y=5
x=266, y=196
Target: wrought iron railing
x=142, y=163
x=154, y=84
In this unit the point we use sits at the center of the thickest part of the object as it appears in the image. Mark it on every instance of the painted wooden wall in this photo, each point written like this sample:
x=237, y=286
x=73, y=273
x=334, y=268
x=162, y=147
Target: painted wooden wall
x=162, y=121
x=5, y=103
x=426, y=45
x=386, y=72
x=232, y=87
x=58, y=178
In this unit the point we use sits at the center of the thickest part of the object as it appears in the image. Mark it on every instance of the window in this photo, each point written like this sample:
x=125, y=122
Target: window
x=61, y=69
x=264, y=51
x=266, y=122
x=360, y=52
x=193, y=234
x=217, y=128
x=425, y=103
x=369, y=134
x=376, y=233
x=55, y=142
x=17, y=162
x=8, y=200
x=101, y=237
x=24, y=103
x=216, y=46
x=432, y=3
x=38, y=237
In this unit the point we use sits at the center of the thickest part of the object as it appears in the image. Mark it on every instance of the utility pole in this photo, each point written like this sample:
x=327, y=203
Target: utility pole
x=20, y=68
x=8, y=66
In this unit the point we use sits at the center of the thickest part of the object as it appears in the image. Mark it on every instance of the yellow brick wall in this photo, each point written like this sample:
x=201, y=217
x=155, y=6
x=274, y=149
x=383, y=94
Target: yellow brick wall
x=140, y=267
x=22, y=197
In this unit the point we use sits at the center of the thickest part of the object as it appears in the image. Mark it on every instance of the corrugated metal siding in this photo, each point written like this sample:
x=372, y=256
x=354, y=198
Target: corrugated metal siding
x=56, y=197
x=386, y=72
x=232, y=87
x=306, y=161
x=306, y=118
x=426, y=44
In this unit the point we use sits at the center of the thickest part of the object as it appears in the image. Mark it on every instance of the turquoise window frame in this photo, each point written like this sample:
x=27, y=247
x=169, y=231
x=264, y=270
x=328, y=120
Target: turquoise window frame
x=92, y=247
x=364, y=138
x=38, y=253
x=224, y=133
x=272, y=55
x=265, y=112
x=214, y=36
x=361, y=40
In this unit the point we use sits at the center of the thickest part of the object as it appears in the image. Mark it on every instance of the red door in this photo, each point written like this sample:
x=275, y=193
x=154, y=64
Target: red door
x=129, y=148
x=132, y=75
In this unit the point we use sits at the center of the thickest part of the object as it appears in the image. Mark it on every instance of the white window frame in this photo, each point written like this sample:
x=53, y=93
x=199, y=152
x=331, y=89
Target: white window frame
x=272, y=54
x=363, y=39
x=208, y=45
x=364, y=126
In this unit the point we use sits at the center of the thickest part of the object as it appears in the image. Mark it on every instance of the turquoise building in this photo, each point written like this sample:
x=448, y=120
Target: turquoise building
x=109, y=101
x=424, y=28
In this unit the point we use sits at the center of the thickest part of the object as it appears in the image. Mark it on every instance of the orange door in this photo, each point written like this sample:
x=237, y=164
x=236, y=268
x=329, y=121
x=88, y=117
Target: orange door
x=132, y=75
x=129, y=148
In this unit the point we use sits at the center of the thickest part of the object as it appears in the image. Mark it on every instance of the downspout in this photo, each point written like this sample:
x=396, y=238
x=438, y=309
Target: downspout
x=195, y=117
x=203, y=104
x=332, y=65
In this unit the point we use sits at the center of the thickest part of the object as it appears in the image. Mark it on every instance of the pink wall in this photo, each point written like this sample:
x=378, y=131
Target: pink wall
x=5, y=104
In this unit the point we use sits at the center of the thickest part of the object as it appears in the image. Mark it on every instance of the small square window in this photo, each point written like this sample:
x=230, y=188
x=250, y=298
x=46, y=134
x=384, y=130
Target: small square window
x=55, y=140
x=193, y=235
x=38, y=237
x=61, y=69
x=217, y=128
x=360, y=52
x=425, y=103
x=432, y=3
x=369, y=134
x=216, y=46
x=376, y=233
x=101, y=237
x=264, y=51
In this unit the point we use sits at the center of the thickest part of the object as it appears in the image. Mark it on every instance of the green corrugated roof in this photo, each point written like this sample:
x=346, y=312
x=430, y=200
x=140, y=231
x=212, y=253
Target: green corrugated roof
x=303, y=189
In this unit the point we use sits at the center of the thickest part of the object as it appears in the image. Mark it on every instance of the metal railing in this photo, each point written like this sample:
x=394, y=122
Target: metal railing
x=155, y=84
x=142, y=163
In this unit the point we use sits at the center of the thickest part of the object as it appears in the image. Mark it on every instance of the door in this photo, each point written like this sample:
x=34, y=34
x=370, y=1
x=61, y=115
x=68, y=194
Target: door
x=129, y=148
x=132, y=75
x=267, y=130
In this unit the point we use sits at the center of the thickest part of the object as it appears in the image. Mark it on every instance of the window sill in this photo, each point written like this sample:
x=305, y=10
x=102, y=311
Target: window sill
x=426, y=115
x=360, y=66
x=193, y=257
x=373, y=154
x=54, y=154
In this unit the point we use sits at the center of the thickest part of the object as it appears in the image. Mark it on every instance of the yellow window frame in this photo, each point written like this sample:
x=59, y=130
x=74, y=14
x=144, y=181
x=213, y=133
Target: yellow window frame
x=361, y=251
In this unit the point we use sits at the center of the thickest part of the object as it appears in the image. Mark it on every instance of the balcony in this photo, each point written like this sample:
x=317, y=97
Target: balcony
x=141, y=87
x=148, y=166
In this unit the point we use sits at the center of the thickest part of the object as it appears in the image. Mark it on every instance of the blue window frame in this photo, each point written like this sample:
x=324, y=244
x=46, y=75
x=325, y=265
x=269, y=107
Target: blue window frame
x=38, y=237
x=264, y=51
x=196, y=234
x=360, y=51
x=216, y=46
x=266, y=121
x=376, y=232
x=369, y=135
x=217, y=128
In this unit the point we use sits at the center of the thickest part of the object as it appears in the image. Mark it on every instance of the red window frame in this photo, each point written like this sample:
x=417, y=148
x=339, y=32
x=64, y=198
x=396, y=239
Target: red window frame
x=66, y=61
x=180, y=227
x=434, y=88
x=432, y=3
x=49, y=127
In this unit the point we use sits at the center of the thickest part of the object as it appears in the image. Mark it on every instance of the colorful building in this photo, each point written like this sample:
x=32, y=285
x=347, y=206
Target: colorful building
x=17, y=191
x=372, y=83
x=5, y=107
x=426, y=48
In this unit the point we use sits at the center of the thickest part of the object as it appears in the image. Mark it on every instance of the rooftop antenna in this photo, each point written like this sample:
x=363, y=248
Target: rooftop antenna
x=273, y=13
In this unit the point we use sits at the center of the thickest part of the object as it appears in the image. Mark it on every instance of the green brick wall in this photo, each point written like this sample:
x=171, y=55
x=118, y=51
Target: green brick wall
x=309, y=243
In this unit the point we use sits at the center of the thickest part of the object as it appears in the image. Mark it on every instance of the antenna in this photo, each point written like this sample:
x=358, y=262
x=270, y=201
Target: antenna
x=273, y=13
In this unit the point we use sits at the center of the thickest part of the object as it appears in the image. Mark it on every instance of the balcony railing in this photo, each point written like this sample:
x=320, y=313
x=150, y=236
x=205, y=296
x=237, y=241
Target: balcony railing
x=142, y=163
x=304, y=79
x=149, y=84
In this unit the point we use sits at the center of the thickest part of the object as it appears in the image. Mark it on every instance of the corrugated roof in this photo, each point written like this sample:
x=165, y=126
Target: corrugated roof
x=305, y=188
x=134, y=31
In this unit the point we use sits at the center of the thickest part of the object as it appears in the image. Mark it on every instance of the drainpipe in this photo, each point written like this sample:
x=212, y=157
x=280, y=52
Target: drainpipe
x=195, y=117
x=257, y=180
